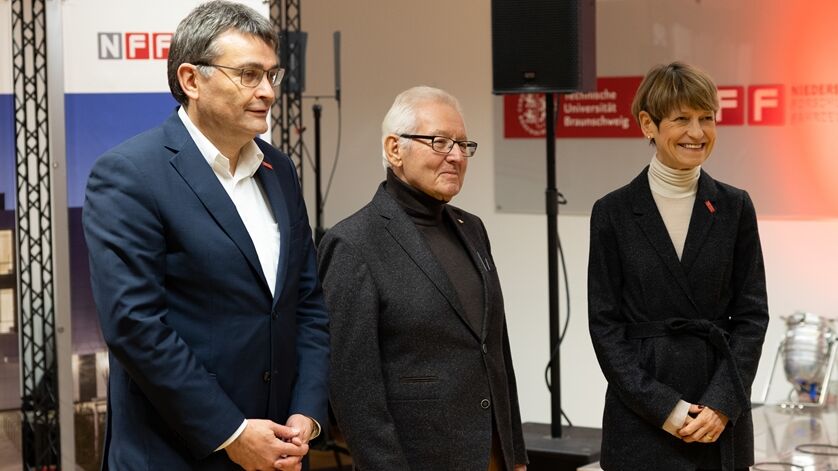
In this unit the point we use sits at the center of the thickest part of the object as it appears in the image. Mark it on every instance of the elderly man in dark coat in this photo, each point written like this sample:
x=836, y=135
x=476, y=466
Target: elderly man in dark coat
x=421, y=370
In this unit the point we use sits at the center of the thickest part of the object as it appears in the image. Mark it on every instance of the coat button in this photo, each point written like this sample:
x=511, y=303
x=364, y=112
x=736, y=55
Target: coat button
x=266, y=376
x=484, y=403
x=274, y=315
x=485, y=349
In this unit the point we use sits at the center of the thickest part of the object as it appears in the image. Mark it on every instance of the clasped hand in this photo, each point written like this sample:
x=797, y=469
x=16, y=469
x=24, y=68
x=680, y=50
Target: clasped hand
x=265, y=445
x=703, y=425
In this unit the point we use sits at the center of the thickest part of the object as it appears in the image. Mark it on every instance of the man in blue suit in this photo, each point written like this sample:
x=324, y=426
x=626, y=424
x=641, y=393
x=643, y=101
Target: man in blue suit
x=203, y=269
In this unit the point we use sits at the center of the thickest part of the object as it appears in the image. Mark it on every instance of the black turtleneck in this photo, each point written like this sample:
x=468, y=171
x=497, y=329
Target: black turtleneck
x=433, y=222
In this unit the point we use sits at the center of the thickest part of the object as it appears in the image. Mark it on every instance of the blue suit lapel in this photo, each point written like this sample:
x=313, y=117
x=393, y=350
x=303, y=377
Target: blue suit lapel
x=195, y=171
x=276, y=198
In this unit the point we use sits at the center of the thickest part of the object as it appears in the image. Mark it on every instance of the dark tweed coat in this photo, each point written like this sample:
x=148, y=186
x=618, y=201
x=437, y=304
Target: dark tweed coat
x=413, y=386
x=635, y=277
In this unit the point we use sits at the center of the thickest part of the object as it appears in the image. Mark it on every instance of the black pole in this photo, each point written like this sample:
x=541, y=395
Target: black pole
x=552, y=205
x=317, y=109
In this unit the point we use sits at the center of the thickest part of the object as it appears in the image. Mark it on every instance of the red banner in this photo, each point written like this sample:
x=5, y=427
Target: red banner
x=605, y=112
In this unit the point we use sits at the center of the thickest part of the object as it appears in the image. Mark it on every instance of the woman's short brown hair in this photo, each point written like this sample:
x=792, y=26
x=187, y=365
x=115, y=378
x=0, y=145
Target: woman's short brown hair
x=668, y=87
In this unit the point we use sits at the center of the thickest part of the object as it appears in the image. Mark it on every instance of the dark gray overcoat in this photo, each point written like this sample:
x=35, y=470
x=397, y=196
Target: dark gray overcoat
x=413, y=385
x=665, y=329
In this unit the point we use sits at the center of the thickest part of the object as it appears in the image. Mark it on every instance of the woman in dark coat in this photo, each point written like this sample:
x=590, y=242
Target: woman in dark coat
x=676, y=294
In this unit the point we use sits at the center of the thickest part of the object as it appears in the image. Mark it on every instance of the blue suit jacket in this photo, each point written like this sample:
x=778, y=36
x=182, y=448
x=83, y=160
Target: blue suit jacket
x=197, y=342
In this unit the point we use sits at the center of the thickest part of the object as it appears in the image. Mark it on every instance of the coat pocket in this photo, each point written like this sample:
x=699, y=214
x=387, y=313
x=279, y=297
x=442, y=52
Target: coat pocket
x=415, y=388
x=419, y=379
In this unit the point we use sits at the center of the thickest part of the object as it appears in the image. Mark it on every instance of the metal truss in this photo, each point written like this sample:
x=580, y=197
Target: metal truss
x=39, y=372
x=287, y=112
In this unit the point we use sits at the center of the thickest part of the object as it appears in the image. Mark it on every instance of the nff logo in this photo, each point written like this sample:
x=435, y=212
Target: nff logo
x=136, y=45
x=765, y=105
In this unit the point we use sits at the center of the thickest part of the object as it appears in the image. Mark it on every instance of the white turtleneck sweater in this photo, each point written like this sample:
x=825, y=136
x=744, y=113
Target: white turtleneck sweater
x=674, y=194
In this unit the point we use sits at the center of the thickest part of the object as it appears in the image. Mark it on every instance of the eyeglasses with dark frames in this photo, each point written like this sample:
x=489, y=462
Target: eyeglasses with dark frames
x=250, y=77
x=444, y=145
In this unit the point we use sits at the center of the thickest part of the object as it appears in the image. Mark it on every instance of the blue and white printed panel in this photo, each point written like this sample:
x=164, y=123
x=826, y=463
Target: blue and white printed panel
x=115, y=55
x=7, y=122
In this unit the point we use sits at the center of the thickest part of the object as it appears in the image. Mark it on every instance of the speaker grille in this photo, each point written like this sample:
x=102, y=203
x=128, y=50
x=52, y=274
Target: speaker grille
x=543, y=46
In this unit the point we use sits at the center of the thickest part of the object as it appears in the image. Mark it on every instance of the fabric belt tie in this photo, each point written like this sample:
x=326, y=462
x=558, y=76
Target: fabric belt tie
x=715, y=332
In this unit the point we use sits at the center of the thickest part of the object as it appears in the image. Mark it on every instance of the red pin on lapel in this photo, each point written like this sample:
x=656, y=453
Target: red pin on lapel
x=710, y=206
x=267, y=165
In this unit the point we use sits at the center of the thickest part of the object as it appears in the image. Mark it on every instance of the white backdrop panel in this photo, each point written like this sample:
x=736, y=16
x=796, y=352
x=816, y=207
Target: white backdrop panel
x=6, y=47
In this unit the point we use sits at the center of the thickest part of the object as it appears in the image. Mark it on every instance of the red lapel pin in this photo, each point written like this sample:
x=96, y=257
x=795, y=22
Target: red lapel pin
x=710, y=206
x=267, y=165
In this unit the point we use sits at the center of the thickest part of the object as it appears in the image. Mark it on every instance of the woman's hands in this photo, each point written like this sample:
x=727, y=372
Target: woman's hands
x=705, y=427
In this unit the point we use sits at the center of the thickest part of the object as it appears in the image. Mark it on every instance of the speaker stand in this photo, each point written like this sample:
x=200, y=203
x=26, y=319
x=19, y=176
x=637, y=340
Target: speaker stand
x=577, y=447
x=552, y=446
x=552, y=209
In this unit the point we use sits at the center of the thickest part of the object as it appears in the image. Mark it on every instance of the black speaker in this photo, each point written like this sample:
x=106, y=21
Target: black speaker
x=543, y=46
x=292, y=56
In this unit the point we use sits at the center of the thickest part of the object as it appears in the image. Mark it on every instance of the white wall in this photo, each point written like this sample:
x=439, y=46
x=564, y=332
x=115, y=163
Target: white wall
x=389, y=46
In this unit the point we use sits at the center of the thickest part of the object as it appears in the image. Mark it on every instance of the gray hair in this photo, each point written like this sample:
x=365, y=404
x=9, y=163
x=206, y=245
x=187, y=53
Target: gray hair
x=401, y=119
x=194, y=38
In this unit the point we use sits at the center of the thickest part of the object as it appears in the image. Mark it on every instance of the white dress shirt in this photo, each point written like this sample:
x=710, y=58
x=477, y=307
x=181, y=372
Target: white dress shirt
x=251, y=204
